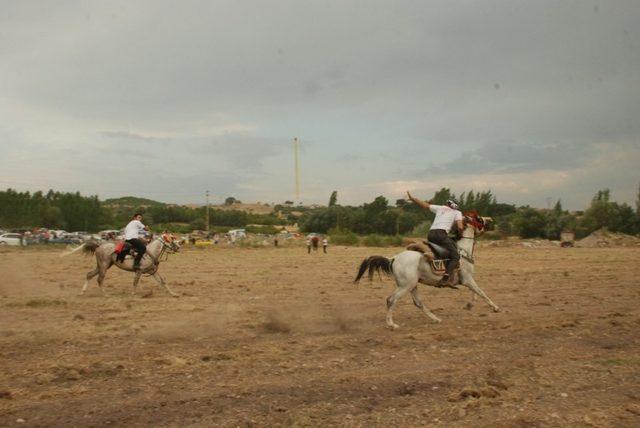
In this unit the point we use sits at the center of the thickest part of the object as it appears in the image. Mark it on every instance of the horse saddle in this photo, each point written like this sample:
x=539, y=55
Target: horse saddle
x=439, y=251
x=434, y=254
x=123, y=249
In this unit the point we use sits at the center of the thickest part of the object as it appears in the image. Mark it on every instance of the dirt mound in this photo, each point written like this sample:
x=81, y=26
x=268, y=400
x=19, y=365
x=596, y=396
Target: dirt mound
x=604, y=238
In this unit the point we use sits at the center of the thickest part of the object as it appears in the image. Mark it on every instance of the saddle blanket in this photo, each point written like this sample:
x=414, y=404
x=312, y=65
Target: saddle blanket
x=438, y=266
x=119, y=247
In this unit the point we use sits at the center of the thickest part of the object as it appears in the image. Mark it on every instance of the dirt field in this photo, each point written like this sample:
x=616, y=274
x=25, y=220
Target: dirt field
x=269, y=337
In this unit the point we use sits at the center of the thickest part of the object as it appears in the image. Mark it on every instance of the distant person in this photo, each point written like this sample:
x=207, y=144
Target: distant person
x=308, y=245
x=275, y=240
x=325, y=243
x=132, y=233
x=446, y=216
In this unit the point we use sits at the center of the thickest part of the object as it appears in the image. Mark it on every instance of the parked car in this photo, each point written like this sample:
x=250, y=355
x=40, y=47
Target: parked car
x=237, y=234
x=84, y=236
x=68, y=239
x=57, y=233
x=11, y=239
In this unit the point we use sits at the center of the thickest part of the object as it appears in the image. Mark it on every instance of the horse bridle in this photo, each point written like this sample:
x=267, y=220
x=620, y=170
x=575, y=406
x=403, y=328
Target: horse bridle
x=169, y=247
x=477, y=224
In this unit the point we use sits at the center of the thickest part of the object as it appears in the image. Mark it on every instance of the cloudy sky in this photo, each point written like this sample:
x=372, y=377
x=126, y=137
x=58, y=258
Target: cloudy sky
x=536, y=101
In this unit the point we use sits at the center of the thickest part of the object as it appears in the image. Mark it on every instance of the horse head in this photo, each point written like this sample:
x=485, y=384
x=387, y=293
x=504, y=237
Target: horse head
x=170, y=242
x=474, y=220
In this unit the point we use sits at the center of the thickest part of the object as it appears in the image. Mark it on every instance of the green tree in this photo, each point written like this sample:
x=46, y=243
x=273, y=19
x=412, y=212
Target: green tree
x=231, y=200
x=52, y=218
x=441, y=196
x=333, y=199
x=529, y=223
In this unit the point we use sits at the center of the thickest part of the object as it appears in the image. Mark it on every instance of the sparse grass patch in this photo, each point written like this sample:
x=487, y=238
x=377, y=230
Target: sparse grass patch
x=375, y=240
x=41, y=302
x=620, y=362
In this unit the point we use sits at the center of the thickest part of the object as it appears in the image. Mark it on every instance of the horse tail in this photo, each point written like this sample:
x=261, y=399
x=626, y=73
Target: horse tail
x=374, y=264
x=88, y=247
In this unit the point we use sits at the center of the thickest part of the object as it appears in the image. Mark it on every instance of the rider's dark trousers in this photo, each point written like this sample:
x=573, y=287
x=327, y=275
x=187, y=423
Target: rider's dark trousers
x=440, y=237
x=140, y=247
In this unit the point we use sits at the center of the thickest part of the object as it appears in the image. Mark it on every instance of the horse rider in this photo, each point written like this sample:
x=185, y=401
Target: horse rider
x=132, y=236
x=446, y=216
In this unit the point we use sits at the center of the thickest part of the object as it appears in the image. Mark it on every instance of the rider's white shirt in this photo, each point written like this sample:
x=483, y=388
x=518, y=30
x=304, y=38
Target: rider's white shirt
x=445, y=217
x=133, y=229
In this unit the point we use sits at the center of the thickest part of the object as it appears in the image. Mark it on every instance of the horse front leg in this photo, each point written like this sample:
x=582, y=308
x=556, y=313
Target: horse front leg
x=470, y=283
x=160, y=280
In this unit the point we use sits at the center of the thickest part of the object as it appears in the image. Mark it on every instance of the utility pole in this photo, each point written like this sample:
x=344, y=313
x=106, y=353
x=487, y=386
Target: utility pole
x=297, y=168
x=207, y=221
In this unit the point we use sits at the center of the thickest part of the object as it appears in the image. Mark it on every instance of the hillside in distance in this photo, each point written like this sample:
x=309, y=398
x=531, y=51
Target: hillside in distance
x=133, y=201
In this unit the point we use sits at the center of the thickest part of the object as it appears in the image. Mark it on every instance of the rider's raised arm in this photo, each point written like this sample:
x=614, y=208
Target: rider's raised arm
x=423, y=204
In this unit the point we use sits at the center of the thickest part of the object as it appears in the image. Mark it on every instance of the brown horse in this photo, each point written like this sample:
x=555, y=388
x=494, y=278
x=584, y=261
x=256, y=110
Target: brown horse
x=106, y=257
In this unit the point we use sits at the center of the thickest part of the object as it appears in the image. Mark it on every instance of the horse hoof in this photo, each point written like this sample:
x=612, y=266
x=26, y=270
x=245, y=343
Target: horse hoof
x=437, y=320
x=468, y=306
x=393, y=326
x=496, y=309
x=175, y=295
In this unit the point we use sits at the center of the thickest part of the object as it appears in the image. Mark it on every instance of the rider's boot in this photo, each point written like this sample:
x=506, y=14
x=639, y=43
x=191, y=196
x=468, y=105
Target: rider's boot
x=447, y=281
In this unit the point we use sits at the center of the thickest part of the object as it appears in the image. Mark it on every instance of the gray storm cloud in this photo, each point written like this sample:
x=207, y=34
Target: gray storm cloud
x=395, y=91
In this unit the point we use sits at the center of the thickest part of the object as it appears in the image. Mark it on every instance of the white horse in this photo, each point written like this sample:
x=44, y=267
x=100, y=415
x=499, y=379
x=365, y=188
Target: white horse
x=411, y=267
x=106, y=257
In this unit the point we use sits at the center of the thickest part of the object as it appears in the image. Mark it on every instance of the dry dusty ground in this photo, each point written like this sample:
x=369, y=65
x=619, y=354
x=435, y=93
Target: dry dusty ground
x=271, y=337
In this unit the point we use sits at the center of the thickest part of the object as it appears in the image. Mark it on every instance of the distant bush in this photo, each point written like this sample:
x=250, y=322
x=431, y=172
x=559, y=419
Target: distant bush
x=267, y=230
x=373, y=240
x=343, y=238
x=393, y=241
x=422, y=229
x=172, y=227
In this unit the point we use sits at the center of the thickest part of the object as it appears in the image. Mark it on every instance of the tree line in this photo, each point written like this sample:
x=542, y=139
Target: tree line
x=72, y=211
x=406, y=218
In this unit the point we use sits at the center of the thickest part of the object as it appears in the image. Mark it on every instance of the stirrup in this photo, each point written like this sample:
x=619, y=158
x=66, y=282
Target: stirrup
x=447, y=283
